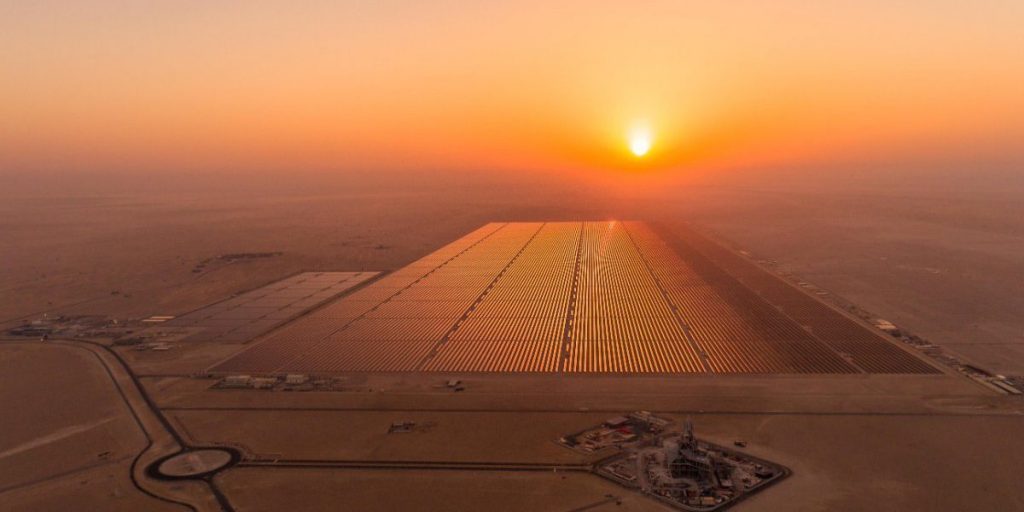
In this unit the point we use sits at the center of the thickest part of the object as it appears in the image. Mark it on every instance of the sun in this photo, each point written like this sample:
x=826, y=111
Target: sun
x=640, y=141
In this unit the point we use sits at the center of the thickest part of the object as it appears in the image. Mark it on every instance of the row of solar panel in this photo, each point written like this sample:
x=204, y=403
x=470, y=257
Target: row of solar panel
x=253, y=313
x=499, y=299
x=735, y=280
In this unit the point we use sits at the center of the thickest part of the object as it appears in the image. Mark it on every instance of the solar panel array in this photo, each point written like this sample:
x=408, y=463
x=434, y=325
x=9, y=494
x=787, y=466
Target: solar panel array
x=735, y=279
x=248, y=315
x=574, y=297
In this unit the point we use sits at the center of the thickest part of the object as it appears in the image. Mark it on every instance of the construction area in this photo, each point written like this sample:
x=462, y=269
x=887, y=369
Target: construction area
x=686, y=473
x=577, y=297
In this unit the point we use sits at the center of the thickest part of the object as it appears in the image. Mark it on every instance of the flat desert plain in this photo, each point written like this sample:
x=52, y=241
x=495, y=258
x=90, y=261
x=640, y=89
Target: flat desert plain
x=946, y=268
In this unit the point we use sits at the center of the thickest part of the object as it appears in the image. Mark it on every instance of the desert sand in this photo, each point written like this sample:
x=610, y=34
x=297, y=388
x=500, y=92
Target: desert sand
x=944, y=267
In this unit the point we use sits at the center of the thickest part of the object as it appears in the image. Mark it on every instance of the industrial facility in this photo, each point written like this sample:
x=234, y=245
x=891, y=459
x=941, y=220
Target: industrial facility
x=673, y=466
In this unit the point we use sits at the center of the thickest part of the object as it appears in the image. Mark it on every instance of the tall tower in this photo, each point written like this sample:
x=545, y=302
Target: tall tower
x=688, y=441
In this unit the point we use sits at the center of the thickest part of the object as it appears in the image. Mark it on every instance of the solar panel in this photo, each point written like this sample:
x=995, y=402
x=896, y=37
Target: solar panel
x=248, y=315
x=573, y=297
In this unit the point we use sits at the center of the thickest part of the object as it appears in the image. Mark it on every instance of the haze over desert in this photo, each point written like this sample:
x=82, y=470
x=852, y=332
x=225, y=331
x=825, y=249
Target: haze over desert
x=557, y=256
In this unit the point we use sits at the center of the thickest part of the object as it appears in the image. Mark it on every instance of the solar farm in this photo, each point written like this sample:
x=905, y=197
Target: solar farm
x=247, y=315
x=575, y=298
x=522, y=366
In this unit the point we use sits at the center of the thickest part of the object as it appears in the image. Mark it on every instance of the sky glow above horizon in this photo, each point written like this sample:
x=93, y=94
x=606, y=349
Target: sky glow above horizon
x=330, y=87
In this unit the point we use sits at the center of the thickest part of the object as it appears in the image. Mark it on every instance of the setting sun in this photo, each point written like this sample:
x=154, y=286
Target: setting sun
x=640, y=141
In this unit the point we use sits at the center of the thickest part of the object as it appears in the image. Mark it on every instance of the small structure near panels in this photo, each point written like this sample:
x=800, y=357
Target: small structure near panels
x=673, y=466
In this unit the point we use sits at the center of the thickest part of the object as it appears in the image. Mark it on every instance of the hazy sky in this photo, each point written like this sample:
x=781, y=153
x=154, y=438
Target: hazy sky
x=333, y=86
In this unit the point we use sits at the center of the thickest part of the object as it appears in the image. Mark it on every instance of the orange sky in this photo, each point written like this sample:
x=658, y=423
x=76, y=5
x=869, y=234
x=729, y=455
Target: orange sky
x=551, y=86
